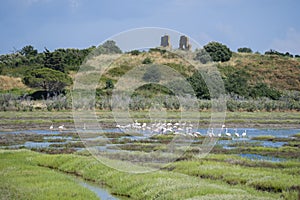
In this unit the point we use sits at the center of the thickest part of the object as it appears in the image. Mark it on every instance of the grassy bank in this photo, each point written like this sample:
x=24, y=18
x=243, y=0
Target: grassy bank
x=36, y=180
x=264, y=176
x=21, y=179
x=214, y=177
x=158, y=185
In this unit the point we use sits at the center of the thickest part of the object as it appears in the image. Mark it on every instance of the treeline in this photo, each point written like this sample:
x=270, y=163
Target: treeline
x=49, y=71
x=60, y=59
x=269, y=52
x=11, y=102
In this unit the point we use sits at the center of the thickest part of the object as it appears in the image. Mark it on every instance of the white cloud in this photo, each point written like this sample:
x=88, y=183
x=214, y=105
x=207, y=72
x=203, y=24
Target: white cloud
x=291, y=42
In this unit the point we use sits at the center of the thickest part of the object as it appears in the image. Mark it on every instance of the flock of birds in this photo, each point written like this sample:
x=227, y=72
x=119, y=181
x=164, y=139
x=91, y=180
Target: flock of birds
x=177, y=128
x=60, y=128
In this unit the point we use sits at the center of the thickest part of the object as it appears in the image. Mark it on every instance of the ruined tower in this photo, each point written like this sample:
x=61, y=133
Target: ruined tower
x=184, y=43
x=165, y=41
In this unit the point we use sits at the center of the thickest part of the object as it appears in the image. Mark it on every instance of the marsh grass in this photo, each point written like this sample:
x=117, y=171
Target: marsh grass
x=15, y=139
x=214, y=177
x=20, y=179
x=78, y=144
x=155, y=185
x=275, y=178
x=297, y=135
x=281, y=152
x=274, y=139
x=263, y=137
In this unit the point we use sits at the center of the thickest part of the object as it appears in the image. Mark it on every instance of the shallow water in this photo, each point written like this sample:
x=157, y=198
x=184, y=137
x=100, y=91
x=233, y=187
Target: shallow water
x=108, y=147
x=251, y=132
x=262, y=158
x=100, y=192
x=270, y=143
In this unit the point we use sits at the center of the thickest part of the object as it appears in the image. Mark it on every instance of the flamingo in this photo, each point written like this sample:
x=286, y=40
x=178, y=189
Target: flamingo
x=236, y=133
x=244, y=134
x=51, y=127
x=169, y=124
x=61, y=127
x=226, y=133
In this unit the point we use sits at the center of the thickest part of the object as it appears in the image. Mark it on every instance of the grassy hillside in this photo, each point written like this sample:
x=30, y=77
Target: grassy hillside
x=9, y=83
x=280, y=72
x=253, y=82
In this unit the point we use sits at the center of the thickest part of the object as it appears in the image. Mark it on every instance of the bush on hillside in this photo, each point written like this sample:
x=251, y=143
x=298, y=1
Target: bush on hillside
x=244, y=50
x=218, y=52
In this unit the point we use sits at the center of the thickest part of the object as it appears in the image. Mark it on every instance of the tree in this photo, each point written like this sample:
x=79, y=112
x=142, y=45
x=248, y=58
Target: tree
x=244, y=50
x=28, y=51
x=108, y=47
x=152, y=74
x=54, y=60
x=274, y=52
x=218, y=52
x=263, y=90
x=198, y=84
x=135, y=52
x=237, y=82
x=48, y=79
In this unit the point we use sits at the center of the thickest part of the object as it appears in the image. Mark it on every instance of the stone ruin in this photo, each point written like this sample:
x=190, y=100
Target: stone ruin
x=165, y=41
x=184, y=43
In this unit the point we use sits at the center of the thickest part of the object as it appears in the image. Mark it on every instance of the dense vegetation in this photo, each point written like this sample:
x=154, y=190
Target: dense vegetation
x=218, y=51
x=22, y=180
x=215, y=177
x=253, y=82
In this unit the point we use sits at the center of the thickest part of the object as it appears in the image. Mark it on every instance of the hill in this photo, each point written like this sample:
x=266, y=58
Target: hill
x=280, y=72
x=252, y=81
x=247, y=71
x=9, y=83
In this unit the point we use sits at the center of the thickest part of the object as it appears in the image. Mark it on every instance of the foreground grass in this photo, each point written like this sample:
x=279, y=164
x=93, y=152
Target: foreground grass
x=265, y=176
x=20, y=179
x=155, y=185
x=30, y=172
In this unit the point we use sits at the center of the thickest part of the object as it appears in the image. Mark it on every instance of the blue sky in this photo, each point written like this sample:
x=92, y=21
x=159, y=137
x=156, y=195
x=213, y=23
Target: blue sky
x=258, y=24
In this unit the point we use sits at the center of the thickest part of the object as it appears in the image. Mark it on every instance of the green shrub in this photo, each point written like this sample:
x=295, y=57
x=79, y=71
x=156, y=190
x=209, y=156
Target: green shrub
x=147, y=61
x=135, y=52
x=218, y=52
